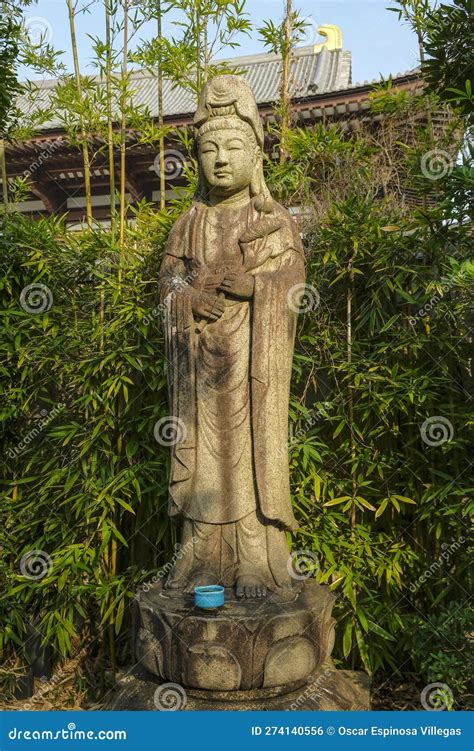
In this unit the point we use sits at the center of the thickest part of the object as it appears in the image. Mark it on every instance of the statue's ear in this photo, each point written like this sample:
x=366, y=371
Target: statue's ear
x=257, y=183
x=259, y=189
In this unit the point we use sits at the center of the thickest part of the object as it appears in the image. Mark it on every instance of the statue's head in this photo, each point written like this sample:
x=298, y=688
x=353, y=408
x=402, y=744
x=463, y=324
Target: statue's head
x=229, y=140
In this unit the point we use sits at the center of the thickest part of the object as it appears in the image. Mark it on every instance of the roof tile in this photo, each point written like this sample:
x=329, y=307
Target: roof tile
x=310, y=73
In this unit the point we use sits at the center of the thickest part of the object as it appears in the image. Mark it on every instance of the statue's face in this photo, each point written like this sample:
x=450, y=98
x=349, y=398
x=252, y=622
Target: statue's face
x=227, y=158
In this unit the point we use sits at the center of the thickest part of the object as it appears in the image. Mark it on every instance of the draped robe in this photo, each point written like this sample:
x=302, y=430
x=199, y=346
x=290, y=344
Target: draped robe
x=229, y=379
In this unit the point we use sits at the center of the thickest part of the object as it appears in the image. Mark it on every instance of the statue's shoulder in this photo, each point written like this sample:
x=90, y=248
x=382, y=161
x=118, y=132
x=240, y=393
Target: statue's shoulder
x=283, y=213
x=184, y=219
x=179, y=232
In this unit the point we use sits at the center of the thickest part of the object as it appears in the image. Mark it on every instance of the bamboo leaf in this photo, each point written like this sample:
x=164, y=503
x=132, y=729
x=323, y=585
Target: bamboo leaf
x=347, y=639
x=337, y=501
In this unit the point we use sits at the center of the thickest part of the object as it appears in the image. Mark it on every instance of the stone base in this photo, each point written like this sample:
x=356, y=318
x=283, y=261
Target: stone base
x=272, y=645
x=326, y=689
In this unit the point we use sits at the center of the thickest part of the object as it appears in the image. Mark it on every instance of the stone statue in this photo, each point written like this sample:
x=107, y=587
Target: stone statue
x=231, y=276
x=229, y=269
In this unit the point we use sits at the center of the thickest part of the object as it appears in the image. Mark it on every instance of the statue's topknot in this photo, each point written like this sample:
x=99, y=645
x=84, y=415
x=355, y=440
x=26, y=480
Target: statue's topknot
x=229, y=96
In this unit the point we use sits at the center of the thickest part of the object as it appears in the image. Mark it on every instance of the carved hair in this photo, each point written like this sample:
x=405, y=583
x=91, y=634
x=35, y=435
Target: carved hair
x=221, y=122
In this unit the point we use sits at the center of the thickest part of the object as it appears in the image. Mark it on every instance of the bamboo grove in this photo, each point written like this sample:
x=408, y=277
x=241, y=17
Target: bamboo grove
x=383, y=358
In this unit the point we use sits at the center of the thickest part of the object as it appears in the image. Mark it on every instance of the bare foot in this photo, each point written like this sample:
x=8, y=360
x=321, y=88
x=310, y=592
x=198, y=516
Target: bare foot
x=250, y=586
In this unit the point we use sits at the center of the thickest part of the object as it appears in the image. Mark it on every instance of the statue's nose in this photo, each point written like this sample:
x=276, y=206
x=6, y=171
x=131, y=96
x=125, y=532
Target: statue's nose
x=222, y=158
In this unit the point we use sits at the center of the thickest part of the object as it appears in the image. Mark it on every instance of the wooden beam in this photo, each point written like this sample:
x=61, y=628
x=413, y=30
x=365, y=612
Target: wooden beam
x=53, y=197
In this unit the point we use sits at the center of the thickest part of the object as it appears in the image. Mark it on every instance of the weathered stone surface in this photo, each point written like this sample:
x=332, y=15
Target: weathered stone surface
x=241, y=646
x=326, y=689
x=230, y=281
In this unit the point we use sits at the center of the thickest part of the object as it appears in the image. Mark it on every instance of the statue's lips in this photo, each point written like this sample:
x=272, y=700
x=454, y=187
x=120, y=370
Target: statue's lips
x=222, y=173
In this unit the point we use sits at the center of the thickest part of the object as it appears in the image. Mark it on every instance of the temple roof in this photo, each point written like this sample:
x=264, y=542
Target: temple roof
x=314, y=70
x=321, y=91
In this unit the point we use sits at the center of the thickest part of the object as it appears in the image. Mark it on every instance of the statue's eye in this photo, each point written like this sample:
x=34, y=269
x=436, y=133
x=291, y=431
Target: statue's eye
x=235, y=145
x=209, y=148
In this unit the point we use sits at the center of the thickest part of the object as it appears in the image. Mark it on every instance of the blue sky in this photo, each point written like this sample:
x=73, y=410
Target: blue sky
x=379, y=43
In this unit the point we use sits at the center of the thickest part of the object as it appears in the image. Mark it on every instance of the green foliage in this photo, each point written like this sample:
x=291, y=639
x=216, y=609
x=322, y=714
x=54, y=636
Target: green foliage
x=382, y=348
x=449, y=66
x=449, y=656
x=274, y=37
x=445, y=35
x=385, y=349
x=10, y=30
x=83, y=386
x=204, y=29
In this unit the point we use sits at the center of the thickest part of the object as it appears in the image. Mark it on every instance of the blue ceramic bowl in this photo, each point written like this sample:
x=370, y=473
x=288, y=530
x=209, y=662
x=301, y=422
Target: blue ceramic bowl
x=210, y=596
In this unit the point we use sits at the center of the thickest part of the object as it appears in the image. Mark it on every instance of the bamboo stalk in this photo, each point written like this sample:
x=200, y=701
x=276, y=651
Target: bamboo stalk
x=421, y=48
x=123, y=134
x=198, y=49
x=113, y=548
x=85, y=149
x=3, y=169
x=206, y=47
x=113, y=543
x=350, y=298
x=350, y=294
x=285, y=81
x=110, y=132
x=160, y=116
x=111, y=624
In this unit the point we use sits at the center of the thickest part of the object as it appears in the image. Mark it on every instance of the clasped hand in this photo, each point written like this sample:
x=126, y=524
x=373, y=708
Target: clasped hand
x=206, y=305
x=238, y=284
x=205, y=301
